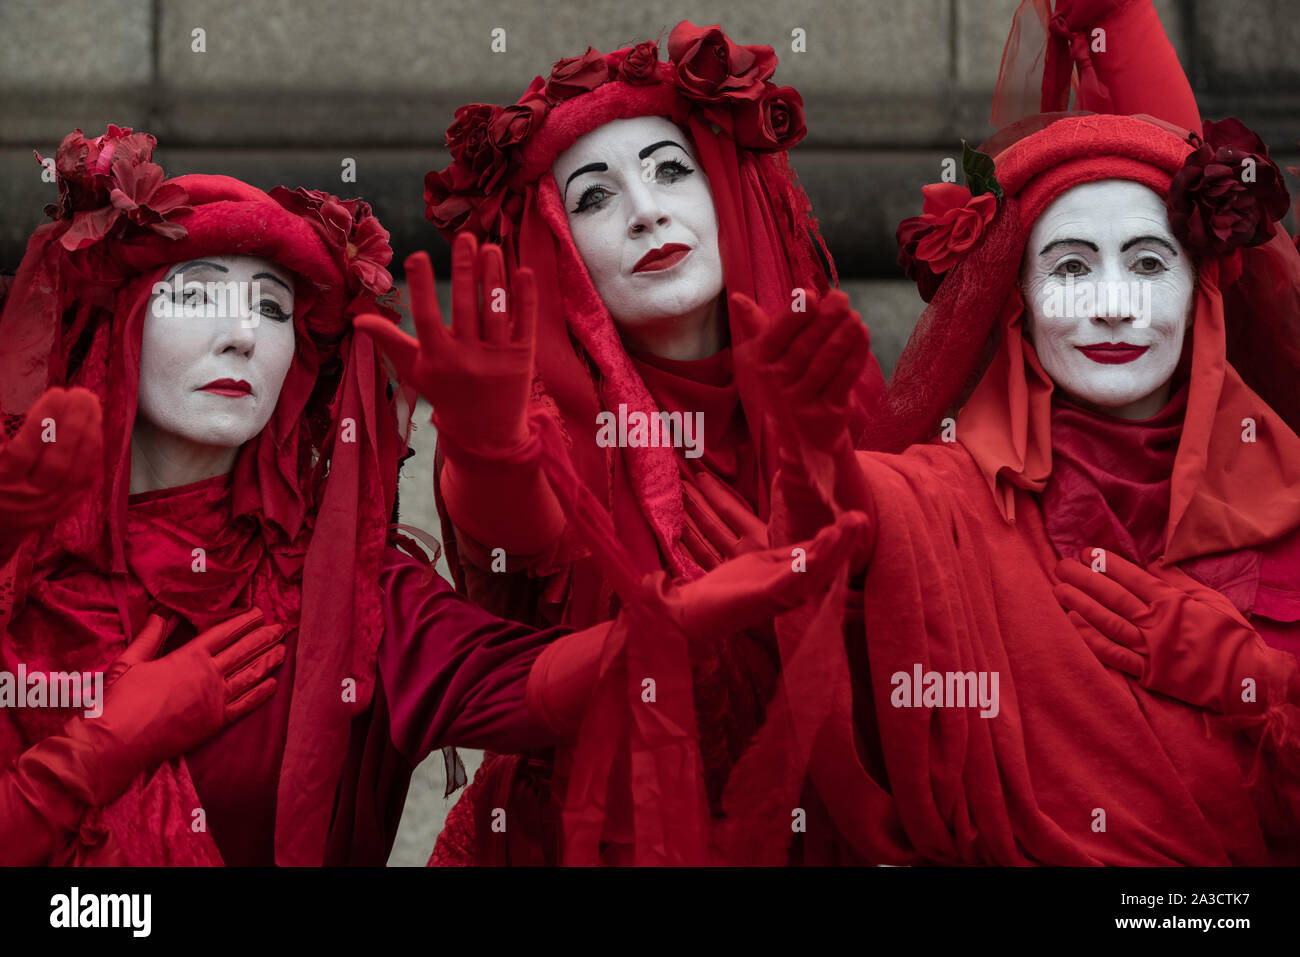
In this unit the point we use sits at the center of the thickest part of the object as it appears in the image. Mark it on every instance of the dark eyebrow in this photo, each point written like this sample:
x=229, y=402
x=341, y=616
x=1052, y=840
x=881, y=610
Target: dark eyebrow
x=267, y=275
x=589, y=168
x=1149, y=239
x=196, y=262
x=654, y=146
x=1069, y=242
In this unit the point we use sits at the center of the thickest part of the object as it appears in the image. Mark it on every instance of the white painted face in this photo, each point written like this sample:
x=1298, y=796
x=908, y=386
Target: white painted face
x=1109, y=294
x=215, y=351
x=630, y=188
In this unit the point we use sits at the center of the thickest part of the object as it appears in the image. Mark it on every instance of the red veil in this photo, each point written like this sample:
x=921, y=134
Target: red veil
x=311, y=494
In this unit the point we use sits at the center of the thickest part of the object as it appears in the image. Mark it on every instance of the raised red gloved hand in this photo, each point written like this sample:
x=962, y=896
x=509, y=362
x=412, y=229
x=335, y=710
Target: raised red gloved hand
x=478, y=375
x=812, y=358
x=811, y=361
x=153, y=711
x=51, y=461
x=719, y=524
x=1188, y=643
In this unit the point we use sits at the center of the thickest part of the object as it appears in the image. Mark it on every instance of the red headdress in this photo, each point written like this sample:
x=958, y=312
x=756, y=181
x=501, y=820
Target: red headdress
x=500, y=186
x=318, y=482
x=1245, y=324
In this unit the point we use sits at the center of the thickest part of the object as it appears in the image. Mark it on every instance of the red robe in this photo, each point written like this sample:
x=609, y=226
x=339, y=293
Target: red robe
x=449, y=672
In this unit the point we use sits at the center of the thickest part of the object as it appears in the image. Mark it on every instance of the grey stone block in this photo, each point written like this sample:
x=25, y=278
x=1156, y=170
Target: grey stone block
x=1249, y=45
x=391, y=72
x=77, y=46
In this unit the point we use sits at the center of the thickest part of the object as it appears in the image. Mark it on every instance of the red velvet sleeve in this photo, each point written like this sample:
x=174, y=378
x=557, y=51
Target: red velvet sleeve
x=453, y=674
x=562, y=678
x=1276, y=734
x=44, y=796
x=501, y=502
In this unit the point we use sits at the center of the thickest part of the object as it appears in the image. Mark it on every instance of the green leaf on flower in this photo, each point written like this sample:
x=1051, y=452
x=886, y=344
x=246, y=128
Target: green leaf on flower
x=978, y=168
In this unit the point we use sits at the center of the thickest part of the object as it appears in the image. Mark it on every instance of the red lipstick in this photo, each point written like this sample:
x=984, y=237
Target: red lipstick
x=665, y=257
x=1113, y=353
x=228, y=387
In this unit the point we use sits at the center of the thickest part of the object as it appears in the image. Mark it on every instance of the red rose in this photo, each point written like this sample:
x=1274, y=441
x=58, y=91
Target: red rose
x=330, y=216
x=514, y=124
x=469, y=138
x=958, y=220
x=536, y=92
x=910, y=233
x=640, y=63
x=444, y=206
x=711, y=67
x=142, y=196
x=137, y=192
x=1228, y=193
x=775, y=122
x=368, y=253
x=576, y=74
x=82, y=167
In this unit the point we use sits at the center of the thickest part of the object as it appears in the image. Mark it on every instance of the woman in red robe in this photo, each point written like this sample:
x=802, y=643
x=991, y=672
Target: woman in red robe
x=636, y=191
x=288, y=733
x=1141, y=705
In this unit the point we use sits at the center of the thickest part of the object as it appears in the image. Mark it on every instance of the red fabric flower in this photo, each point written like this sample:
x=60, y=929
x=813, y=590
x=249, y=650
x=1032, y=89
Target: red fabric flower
x=958, y=219
x=775, y=122
x=350, y=230
x=910, y=233
x=1228, y=193
x=514, y=124
x=143, y=197
x=328, y=214
x=469, y=138
x=82, y=167
x=712, y=68
x=368, y=252
x=639, y=64
x=576, y=74
x=445, y=206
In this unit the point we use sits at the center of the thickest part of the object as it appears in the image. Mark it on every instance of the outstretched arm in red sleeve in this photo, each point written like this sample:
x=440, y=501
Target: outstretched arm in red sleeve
x=738, y=595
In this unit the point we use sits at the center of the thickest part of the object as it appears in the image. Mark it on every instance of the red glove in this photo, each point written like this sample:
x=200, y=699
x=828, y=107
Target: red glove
x=478, y=376
x=738, y=595
x=811, y=361
x=40, y=479
x=1186, y=642
x=719, y=524
x=153, y=711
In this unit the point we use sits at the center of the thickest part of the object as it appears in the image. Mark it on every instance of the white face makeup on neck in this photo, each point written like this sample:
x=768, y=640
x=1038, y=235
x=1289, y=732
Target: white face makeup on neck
x=217, y=343
x=642, y=218
x=1109, y=293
